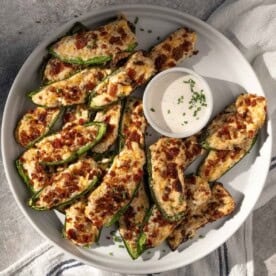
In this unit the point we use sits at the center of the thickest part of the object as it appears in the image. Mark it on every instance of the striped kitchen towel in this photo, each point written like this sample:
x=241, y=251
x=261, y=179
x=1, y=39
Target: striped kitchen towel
x=251, y=25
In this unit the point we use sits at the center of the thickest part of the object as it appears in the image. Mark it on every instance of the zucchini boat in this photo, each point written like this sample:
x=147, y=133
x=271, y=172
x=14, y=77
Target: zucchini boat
x=193, y=149
x=55, y=69
x=218, y=162
x=166, y=161
x=78, y=228
x=133, y=124
x=111, y=199
x=220, y=205
x=233, y=130
x=35, y=124
x=136, y=72
x=71, y=91
x=110, y=116
x=131, y=221
x=76, y=115
x=69, y=143
x=176, y=47
x=98, y=46
x=32, y=172
x=68, y=185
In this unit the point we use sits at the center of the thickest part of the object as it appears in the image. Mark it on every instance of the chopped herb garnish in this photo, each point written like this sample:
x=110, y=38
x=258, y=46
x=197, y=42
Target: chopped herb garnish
x=117, y=239
x=136, y=20
x=149, y=31
x=152, y=109
x=110, y=253
x=180, y=100
x=149, y=252
x=183, y=114
x=121, y=246
x=164, y=251
x=169, y=111
x=112, y=233
x=142, y=29
x=201, y=236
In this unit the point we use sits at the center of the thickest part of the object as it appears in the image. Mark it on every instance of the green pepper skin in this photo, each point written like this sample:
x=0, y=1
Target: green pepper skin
x=82, y=150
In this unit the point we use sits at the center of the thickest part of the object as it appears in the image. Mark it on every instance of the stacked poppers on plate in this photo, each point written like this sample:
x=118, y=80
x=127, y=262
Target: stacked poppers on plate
x=97, y=168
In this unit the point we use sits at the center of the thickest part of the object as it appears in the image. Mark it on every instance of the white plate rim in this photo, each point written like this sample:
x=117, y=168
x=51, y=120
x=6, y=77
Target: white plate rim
x=116, y=8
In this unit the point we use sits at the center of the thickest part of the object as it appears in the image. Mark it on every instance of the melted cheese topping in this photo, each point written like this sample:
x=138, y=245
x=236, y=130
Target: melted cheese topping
x=193, y=149
x=73, y=90
x=137, y=71
x=106, y=41
x=111, y=117
x=63, y=144
x=232, y=130
x=34, y=124
x=219, y=162
x=68, y=184
x=36, y=173
x=220, y=204
x=134, y=122
x=117, y=187
x=167, y=157
x=78, y=228
x=131, y=220
x=176, y=47
x=157, y=229
x=77, y=114
x=56, y=70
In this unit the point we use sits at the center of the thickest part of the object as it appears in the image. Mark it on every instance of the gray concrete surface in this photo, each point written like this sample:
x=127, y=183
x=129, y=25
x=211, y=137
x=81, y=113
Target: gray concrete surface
x=23, y=24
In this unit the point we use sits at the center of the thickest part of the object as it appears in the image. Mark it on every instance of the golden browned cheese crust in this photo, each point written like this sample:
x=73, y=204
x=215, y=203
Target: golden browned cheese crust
x=176, y=47
x=134, y=122
x=118, y=186
x=137, y=71
x=78, y=228
x=131, y=221
x=56, y=70
x=71, y=91
x=69, y=183
x=167, y=159
x=34, y=124
x=219, y=204
x=105, y=41
x=232, y=129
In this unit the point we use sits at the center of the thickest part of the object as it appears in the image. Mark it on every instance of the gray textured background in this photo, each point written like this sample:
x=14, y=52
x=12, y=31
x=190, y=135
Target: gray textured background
x=23, y=24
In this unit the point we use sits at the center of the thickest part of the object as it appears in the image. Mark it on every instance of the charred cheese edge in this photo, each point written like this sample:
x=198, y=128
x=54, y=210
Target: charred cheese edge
x=136, y=72
x=110, y=200
x=133, y=124
x=220, y=205
x=71, y=91
x=131, y=221
x=175, y=48
x=166, y=161
x=68, y=185
x=78, y=228
x=76, y=115
x=35, y=124
x=98, y=46
x=110, y=116
x=233, y=129
x=32, y=172
x=218, y=162
x=69, y=143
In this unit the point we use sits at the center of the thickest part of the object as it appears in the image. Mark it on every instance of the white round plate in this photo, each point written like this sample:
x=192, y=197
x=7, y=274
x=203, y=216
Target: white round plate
x=227, y=73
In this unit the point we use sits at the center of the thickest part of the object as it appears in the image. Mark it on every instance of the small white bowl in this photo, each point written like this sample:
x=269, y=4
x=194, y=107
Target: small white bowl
x=153, y=97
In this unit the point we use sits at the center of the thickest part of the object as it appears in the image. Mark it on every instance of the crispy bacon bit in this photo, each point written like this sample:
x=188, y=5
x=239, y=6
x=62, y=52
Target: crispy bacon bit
x=113, y=89
x=81, y=41
x=131, y=73
x=72, y=234
x=90, y=86
x=56, y=67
